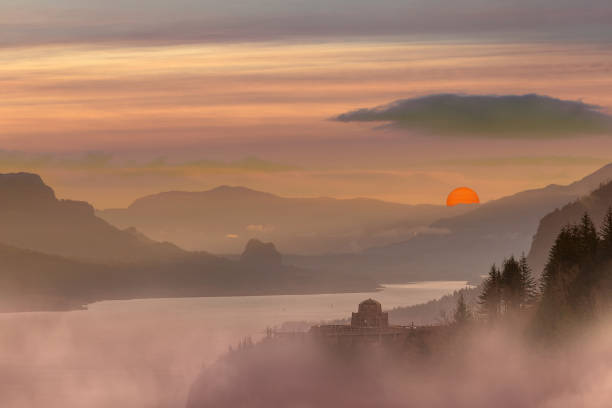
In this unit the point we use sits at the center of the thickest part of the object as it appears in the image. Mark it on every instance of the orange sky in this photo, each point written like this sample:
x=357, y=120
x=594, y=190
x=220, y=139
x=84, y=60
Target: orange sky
x=273, y=100
x=124, y=97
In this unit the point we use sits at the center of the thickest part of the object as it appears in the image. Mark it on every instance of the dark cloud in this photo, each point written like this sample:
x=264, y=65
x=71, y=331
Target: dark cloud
x=187, y=21
x=505, y=116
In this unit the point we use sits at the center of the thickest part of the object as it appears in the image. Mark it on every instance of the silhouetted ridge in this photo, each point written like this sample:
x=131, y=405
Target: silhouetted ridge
x=56, y=254
x=596, y=204
x=33, y=218
x=18, y=189
x=237, y=191
x=472, y=241
x=184, y=199
x=261, y=254
x=596, y=179
x=223, y=219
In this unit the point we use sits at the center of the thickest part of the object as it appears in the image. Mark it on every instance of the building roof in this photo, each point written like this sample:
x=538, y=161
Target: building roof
x=370, y=301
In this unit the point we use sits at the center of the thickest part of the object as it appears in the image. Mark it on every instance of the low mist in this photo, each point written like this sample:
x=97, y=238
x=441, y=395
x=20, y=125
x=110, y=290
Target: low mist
x=84, y=359
x=487, y=367
x=101, y=360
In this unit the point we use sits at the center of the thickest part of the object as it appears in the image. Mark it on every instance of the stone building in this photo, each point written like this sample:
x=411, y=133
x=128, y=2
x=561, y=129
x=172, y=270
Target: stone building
x=369, y=325
x=370, y=314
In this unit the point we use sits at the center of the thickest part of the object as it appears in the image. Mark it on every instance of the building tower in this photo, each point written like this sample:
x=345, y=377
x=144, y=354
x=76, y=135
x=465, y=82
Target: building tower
x=370, y=315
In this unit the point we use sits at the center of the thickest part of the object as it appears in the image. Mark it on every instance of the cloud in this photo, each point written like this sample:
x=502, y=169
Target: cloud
x=259, y=228
x=247, y=164
x=491, y=116
x=30, y=22
x=31, y=161
x=17, y=160
x=527, y=161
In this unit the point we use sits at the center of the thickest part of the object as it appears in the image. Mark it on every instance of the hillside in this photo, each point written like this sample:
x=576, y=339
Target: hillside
x=223, y=219
x=596, y=204
x=522, y=211
x=34, y=281
x=470, y=242
x=56, y=254
x=33, y=218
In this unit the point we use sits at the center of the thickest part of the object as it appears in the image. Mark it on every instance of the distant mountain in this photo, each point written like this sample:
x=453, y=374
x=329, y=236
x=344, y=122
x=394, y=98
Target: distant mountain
x=56, y=254
x=224, y=219
x=466, y=245
x=33, y=218
x=261, y=254
x=596, y=204
x=522, y=211
x=32, y=281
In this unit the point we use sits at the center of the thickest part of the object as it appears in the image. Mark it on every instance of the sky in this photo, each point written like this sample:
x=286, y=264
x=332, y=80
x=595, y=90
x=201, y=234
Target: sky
x=111, y=100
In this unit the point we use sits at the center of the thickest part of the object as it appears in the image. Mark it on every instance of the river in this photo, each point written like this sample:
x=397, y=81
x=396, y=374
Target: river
x=146, y=353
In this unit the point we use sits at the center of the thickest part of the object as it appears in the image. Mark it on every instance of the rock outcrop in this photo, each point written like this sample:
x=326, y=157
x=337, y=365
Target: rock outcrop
x=261, y=254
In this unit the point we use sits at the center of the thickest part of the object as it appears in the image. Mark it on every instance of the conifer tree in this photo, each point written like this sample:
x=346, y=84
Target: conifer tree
x=512, y=285
x=570, y=276
x=589, y=239
x=490, y=298
x=606, y=235
x=605, y=254
x=462, y=313
x=554, y=280
x=529, y=289
x=564, y=253
x=581, y=291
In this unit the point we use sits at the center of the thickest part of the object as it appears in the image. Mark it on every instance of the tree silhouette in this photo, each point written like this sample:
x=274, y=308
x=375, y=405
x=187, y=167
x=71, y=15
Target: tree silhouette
x=606, y=236
x=462, y=313
x=509, y=290
x=512, y=285
x=490, y=298
x=575, y=284
x=588, y=239
x=565, y=253
x=529, y=286
x=573, y=276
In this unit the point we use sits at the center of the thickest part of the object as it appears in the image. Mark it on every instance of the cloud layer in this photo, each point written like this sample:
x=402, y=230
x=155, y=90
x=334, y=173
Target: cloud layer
x=505, y=116
x=23, y=161
x=28, y=22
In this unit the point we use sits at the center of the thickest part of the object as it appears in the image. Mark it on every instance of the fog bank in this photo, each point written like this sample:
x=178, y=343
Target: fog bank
x=88, y=360
x=490, y=368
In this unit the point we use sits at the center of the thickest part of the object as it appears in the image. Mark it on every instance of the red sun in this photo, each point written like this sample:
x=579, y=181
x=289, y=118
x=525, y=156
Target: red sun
x=462, y=195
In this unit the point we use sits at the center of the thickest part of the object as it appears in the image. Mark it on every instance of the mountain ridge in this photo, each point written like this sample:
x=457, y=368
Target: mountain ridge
x=223, y=219
x=57, y=254
x=595, y=204
x=470, y=242
x=33, y=218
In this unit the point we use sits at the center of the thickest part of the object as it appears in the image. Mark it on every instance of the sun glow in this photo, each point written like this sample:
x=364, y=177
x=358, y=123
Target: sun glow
x=462, y=195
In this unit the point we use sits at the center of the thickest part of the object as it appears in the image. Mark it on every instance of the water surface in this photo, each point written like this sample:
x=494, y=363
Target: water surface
x=146, y=353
